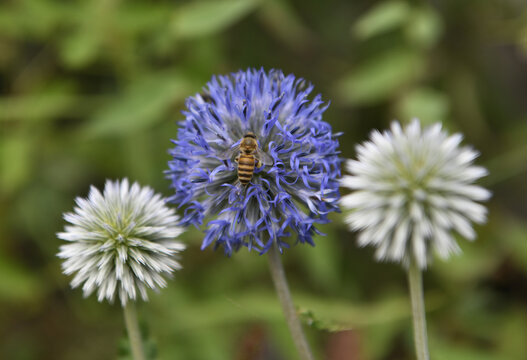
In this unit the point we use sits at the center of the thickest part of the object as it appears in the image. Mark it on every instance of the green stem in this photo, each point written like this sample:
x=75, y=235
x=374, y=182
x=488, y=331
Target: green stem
x=282, y=289
x=134, y=335
x=415, y=282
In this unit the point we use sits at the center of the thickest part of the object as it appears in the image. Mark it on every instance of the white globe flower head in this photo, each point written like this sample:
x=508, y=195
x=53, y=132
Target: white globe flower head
x=412, y=189
x=120, y=242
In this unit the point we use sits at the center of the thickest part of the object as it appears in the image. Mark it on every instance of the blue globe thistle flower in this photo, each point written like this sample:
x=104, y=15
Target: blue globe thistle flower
x=294, y=182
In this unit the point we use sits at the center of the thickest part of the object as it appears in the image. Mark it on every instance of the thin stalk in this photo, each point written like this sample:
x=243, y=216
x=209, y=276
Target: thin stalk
x=415, y=282
x=134, y=335
x=282, y=289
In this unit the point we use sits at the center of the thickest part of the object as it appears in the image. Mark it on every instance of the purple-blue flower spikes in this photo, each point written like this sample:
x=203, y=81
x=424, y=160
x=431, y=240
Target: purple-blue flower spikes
x=294, y=173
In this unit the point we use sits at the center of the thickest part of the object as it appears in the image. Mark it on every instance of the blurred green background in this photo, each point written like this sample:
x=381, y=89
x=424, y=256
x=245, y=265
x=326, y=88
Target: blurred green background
x=92, y=89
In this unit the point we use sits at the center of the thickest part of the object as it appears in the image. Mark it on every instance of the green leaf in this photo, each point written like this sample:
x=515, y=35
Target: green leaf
x=142, y=105
x=282, y=20
x=522, y=39
x=32, y=19
x=424, y=27
x=378, y=339
x=511, y=336
x=80, y=48
x=324, y=273
x=46, y=103
x=16, y=151
x=335, y=315
x=382, y=18
x=451, y=351
x=17, y=283
x=509, y=164
x=427, y=104
x=381, y=77
x=9, y=22
x=139, y=18
x=38, y=212
x=201, y=18
x=474, y=263
x=256, y=304
x=514, y=236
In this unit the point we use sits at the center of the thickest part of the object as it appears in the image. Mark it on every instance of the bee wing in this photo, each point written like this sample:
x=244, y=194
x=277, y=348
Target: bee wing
x=264, y=157
x=230, y=153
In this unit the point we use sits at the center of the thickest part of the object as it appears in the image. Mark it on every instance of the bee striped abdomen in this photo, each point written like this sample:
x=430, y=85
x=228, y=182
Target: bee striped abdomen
x=246, y=165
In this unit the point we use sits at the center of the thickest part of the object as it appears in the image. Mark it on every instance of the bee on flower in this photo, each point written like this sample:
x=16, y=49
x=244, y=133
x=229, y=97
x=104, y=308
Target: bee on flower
x=255, y=160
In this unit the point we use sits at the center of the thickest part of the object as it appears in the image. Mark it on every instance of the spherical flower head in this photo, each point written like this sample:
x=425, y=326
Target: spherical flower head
x=294, y=177
x=412, y=189
x=121, y=241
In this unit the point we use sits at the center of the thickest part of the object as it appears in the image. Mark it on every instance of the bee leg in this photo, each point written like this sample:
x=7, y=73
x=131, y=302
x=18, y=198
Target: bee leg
x=236, y=159
x=239, y=187
x=259, y=164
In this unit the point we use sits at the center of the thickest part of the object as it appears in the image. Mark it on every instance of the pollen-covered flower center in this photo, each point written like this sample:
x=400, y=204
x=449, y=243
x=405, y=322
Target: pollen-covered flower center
x=415, y=190
x=120, y=229
x=413, y=176
x=412, y=181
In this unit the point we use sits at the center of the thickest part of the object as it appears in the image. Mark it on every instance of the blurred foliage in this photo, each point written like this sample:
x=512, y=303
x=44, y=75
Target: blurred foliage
x=92, y=89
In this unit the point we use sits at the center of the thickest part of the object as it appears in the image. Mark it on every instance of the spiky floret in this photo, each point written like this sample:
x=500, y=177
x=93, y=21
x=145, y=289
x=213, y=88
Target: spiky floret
x=120, y=242
x=412, y=189
x=295, y=190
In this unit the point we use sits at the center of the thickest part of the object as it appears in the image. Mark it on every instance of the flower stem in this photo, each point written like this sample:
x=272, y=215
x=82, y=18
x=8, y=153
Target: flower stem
x=415, y=282
x=134, y=335
x=280, y=283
